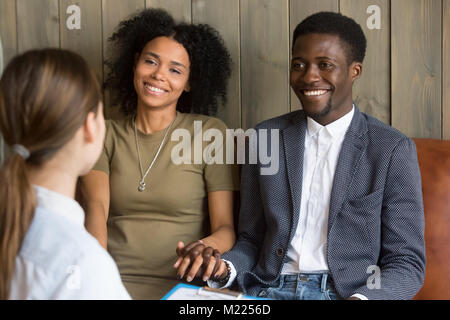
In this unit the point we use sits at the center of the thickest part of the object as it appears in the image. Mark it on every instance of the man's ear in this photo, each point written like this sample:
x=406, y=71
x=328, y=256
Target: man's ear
x=355, y=70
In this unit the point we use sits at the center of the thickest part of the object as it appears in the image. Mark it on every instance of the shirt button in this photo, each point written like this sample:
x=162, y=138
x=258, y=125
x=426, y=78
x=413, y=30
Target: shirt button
x=280, y=252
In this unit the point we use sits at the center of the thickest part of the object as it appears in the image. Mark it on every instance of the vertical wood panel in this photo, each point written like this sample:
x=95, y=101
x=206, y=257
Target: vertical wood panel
x=264, y=60
x=299, y=10
x=8, y=38
x=446, y=70
x=211, y=12
x=371, y=92
x=88, y=40
x=113, y=12
x=416, y=67
x=8, y=32
x=257, y=34
x=38, y=24
x=179, y=9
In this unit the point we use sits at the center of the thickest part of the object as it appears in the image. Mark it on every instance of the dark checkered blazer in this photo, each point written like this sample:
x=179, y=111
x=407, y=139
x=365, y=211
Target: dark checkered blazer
x=376, y=211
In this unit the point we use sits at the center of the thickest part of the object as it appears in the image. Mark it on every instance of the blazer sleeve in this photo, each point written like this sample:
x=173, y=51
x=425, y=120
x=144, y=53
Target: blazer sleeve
x=245, y=253
x=402, y=257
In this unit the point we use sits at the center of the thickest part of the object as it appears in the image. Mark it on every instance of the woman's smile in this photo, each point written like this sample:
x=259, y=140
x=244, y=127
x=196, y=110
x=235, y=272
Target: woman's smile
x=154, y=90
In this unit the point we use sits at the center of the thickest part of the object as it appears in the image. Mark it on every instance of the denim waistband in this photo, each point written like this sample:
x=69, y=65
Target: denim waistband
x=320, y=278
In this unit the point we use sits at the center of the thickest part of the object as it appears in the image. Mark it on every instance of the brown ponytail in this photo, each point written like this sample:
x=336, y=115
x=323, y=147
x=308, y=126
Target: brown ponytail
x=45, y=96
x=16, y=216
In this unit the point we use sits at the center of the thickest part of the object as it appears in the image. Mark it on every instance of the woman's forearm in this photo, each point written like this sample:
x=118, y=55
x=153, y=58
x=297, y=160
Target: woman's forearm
x=222, y=239
x=95, y=223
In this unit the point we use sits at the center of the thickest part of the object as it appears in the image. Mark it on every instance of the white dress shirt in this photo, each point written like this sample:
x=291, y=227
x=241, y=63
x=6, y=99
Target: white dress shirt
x=59, y=259
x=307, y=250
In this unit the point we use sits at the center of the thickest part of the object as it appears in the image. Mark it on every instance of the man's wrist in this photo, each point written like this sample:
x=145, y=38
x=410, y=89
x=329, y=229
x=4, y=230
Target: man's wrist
x=225, y=277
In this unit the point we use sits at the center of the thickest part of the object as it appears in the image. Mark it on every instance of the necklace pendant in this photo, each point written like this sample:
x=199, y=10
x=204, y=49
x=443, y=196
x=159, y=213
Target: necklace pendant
x=141, y=187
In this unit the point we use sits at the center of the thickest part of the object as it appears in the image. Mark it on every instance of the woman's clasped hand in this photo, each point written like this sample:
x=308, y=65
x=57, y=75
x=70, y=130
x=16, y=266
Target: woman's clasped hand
x=197, y=259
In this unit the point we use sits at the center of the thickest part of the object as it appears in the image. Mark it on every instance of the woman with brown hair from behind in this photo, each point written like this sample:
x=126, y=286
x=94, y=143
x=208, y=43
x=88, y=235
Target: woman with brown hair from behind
x=51, y=118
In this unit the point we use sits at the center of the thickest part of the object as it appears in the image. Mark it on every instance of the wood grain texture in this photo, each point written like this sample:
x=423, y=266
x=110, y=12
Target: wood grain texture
x=446, y=70
x=113, y=12
x=38, y=24
x=415, y=99
x=179, y=9
x=8, y=38
x=8, y=31
x=372, y=92
x=88, y=40
x=299, y=10
x=264, y=60
x=416, y=67
x=211, y=12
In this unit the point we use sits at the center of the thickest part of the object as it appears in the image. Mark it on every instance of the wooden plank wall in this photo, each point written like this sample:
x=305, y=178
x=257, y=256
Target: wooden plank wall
x=264, y=60
x=211, y=12
x=417, y=67
x=8, y=29
x=88, y=44
x=37, y=24
x=373, y=96
x=8, y=41
x=406, y=75
x=446, y=70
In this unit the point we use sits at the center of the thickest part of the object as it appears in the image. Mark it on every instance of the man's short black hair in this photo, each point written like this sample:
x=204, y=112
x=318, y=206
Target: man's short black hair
x=333, y=23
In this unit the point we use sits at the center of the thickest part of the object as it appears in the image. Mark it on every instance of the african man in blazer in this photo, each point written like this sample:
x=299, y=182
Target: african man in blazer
x=375, y=218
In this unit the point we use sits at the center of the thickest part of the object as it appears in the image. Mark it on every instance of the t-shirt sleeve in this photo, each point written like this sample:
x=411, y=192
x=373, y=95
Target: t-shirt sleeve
x=220, y=175
x=103, y=162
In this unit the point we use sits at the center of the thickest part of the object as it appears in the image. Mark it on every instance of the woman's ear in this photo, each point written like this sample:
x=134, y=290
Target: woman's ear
x=90, y=128
x=187, y=88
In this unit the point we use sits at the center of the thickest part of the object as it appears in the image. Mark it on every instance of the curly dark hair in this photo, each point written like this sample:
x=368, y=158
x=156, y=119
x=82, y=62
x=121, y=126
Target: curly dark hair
x=209, y=61
x=334, y=23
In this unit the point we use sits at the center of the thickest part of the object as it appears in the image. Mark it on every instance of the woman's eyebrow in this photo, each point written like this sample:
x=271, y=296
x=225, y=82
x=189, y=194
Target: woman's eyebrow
x=158, y=57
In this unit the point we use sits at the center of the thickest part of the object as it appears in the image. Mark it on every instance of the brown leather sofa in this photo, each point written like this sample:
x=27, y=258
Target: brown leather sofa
x=434, y=161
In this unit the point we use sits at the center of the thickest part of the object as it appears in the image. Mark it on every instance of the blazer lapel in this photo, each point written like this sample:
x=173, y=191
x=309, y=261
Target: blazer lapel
x=353, y=147
x=294, y=147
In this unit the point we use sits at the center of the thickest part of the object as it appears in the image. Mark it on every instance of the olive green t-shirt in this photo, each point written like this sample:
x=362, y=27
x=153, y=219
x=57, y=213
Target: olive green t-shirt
x=144, y=227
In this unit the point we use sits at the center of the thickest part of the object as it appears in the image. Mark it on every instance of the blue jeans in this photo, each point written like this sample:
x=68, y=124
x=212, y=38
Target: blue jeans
x=302, y=286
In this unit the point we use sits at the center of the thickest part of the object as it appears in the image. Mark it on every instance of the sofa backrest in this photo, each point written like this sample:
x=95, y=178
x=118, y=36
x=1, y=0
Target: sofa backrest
x=434, y=162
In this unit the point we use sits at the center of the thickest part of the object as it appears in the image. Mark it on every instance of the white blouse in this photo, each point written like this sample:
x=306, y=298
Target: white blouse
x=59, y=259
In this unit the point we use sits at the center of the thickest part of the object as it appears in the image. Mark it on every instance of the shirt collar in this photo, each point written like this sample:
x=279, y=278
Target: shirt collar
x=59, y=204
x=335, y=128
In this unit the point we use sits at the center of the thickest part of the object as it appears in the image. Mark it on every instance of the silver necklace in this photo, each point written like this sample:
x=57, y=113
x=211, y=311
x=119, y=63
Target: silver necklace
x=142, y=185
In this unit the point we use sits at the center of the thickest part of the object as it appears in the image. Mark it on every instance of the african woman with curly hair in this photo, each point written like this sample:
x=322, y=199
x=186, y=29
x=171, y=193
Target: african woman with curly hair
x=164, y=76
